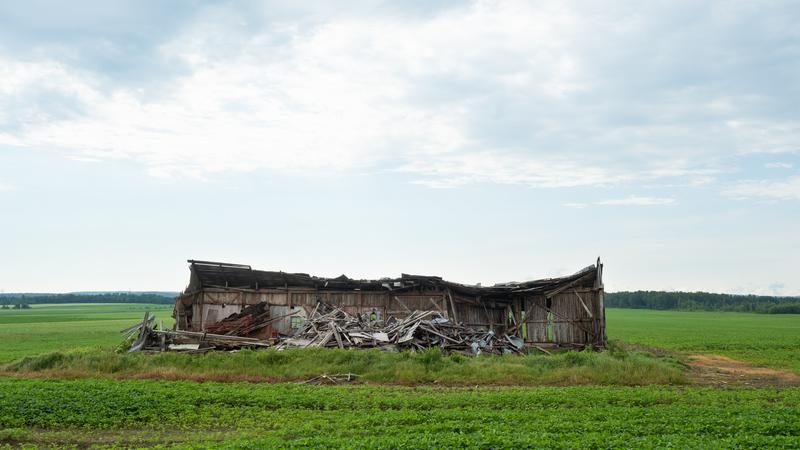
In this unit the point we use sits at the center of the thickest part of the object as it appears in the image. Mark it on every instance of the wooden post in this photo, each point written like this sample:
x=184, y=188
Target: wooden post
x=599, y=291
x=452, y=306
x=202, y=312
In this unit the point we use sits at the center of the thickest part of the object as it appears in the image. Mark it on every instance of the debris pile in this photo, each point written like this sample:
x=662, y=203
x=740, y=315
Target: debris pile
x=329, y=326
x=248, y=322
x=150, y=339
x=332, y=379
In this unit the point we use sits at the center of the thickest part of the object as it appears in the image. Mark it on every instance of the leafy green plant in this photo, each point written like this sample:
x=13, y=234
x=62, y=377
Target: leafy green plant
x=142, y=413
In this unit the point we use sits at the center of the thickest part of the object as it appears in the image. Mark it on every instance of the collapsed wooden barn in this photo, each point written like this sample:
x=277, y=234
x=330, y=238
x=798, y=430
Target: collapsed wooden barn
x=562, y=312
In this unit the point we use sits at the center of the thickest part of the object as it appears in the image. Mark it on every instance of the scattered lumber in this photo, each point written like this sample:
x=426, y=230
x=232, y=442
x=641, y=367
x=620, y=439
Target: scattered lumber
x=150, y=339
x=330, y=326
x=331, y=379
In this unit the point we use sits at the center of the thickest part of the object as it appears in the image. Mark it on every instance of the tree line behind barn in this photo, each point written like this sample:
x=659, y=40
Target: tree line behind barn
x=165, y=298
x=703, y=301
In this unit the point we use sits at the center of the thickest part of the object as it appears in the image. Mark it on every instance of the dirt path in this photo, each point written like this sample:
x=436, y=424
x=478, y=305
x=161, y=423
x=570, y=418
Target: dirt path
x=717, y=370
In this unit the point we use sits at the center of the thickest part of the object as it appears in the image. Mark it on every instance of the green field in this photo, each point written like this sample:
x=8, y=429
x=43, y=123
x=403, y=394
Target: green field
x=765, y=339
x=235, y=415
x=45, y=328
x=81, y=341
x=78, y=341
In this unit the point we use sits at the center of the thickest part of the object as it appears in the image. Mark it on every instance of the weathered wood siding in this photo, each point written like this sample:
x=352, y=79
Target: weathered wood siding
x=536, y=319
x=561, y=319
x=481, y=317
x=213, y=305
x=565, y=320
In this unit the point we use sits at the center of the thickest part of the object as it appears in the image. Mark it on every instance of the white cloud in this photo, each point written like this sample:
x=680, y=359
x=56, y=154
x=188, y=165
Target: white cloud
x=788, y=189
x=84, y=159
x=775, y=288
x=627, y=201
x=778, y=165
x=638, y=201
x=491, y=92
x=503, y=168
x=6, y=187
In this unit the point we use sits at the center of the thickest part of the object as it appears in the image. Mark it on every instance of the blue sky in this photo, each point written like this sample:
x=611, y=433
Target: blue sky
x=482, y=141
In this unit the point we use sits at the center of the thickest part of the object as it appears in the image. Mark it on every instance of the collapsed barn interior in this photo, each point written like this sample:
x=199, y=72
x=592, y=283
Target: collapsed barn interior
x=554, y=312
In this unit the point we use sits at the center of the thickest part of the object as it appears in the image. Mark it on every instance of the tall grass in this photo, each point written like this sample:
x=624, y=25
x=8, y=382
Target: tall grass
x=616, y=367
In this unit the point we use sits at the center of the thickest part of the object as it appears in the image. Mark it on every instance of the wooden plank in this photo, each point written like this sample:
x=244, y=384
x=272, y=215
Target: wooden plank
x=452, y=306
x=567, y=286
x=583, y=304
x=338, y=338
x=402, y=304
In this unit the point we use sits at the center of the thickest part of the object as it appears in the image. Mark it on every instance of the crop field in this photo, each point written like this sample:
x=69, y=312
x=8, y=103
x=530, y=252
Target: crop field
x=63, y=385
x=45, y=328
x=771, y=340
x=235, y=415
x=765, y=339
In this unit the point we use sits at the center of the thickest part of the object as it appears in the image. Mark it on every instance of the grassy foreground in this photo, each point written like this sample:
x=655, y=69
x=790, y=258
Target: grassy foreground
x=242, y=415
x=104, y=407
x=764, y=339
x=616, y=367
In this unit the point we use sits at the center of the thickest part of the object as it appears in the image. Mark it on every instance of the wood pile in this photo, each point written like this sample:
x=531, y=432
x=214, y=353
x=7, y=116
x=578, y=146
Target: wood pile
x=330, y=326
x=151, y=339
x=248, y=322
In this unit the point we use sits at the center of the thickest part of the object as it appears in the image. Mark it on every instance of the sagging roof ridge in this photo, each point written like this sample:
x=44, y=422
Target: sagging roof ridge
x=213, y=274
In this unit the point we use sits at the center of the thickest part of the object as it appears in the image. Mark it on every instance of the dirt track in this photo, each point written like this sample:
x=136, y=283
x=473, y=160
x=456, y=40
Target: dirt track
x=717, y=370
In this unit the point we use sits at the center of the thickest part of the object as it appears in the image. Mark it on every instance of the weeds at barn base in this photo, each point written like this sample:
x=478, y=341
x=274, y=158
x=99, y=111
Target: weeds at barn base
x=615, y=367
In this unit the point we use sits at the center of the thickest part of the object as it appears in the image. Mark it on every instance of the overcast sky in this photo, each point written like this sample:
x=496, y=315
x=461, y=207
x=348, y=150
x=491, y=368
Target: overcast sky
x=483, y=142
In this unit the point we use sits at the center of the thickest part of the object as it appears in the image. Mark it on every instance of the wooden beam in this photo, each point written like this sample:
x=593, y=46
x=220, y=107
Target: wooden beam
x=401, y=303
x=583, y=304
x=438, y=308
x=452, y=306
x=567, y=286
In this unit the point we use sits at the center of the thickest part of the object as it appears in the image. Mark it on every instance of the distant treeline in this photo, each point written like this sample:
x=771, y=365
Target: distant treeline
x=117, y=297
x=703, y=301
x=687, y=301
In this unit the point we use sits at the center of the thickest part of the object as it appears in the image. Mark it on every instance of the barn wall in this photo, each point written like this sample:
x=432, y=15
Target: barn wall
x=213, y=305
x=571, y=322
x=482, y=317
x=559, y=320
x=563, y=319
x=537, y=319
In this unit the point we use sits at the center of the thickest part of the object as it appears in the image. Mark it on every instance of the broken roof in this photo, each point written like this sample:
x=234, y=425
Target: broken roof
x=211, y=274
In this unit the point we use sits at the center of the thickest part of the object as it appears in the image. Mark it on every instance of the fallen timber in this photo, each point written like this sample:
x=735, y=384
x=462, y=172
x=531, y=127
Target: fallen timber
x=329, y=327
x=151, y=339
